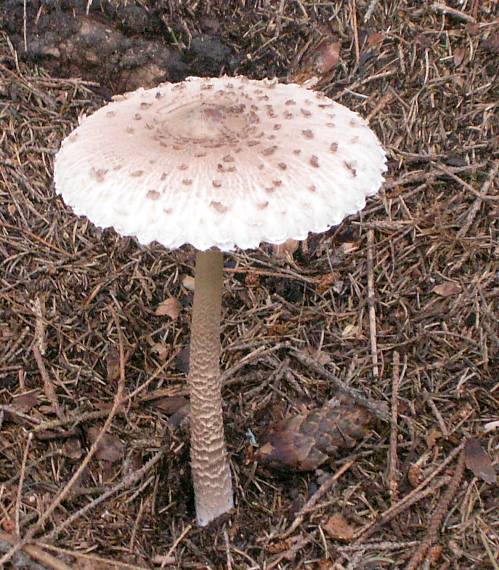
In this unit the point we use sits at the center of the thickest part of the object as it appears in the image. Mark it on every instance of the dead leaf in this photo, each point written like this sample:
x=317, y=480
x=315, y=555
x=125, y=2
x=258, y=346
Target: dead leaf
x=72, y=448
x=325, y=282
x=348, y=247
x=161, y=350
x=164, y=561
x=170, y=405
x=24, y=402
x=286, y=249
x=110, y=447
x=277, y=547
x=326, y=57
x=478, y=461
x=325, y=564
x=169, y=307
x=491, y=44
x=8, y=524
x=252, y=280
x=447, y=289
x=434, y=554
x=113, y=364
x=350, y=331
x=180, y=416
x=182, y=360
x=338, y=528
x=189, y=282
x=490, y=426
x=432, y=437
x=459, y=55
x=374, y=39
x=415, y=475
x=319, y=356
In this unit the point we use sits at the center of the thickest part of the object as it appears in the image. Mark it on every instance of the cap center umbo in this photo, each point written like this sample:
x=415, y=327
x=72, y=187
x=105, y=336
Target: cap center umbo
x=220, y=121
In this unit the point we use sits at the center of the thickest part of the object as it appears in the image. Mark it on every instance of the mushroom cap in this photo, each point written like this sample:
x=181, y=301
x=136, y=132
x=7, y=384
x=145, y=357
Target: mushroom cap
x=220, y=162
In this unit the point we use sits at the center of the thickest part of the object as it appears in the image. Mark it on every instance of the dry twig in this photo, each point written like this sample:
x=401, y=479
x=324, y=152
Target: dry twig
x=339, y=385
x=47, y=383
x=392, y=460
x=438, y=516
x=371, y=301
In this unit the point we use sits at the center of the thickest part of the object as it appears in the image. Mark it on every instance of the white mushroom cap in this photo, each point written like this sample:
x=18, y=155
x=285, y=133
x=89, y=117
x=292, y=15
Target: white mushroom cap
x=220, y=162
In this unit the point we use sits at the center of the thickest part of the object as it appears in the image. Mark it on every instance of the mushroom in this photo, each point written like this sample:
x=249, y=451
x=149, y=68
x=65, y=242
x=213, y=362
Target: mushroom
x=218, y=163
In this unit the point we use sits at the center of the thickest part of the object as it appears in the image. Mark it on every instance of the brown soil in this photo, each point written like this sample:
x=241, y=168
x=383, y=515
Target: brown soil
x=399, y=301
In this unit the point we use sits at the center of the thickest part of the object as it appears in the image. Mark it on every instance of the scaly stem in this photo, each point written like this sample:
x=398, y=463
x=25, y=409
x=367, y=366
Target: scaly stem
x=210, y=466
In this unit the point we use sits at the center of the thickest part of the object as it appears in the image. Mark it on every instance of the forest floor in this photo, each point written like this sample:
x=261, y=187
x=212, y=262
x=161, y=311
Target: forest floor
x=399, y=301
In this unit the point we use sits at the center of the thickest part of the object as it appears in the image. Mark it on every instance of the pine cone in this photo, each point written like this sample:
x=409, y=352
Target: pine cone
x=306, y=441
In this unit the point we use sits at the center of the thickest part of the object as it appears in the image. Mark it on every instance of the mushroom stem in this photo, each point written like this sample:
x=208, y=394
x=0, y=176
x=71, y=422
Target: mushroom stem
x=210, y=465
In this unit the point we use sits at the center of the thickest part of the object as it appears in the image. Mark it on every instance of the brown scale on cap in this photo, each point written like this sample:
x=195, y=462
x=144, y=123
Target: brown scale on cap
x=219, y=207
x=308, y=134
x=269, y=151
x=282, y=165
x=270, y=111
x=111, y=114
x=314, y=161
x=333, y=147
x=222, y=168
x=136, y=173
x=187, y=181
x=306, y=112
x=130, y=130
x=98, y=173
x=350, y=167
x=153, y=195
x=216, y=183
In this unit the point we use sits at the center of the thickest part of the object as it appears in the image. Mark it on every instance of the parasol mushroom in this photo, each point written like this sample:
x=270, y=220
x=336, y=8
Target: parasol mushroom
x=218, y=163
